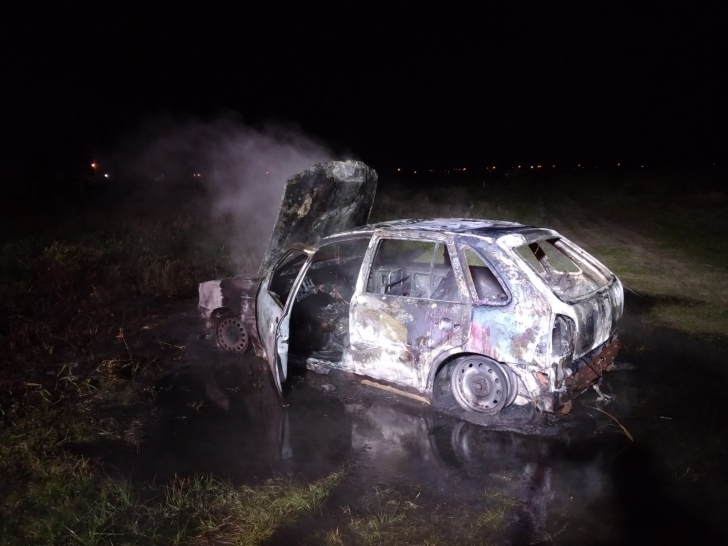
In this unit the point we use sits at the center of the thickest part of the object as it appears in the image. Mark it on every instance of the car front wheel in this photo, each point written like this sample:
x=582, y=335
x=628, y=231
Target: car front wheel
x=230, y=334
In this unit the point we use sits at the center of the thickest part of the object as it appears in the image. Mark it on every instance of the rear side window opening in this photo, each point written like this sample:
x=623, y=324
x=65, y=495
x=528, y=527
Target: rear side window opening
x=487, y=287
x=567, y=274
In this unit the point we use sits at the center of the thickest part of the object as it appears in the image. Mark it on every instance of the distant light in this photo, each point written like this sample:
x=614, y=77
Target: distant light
x=642, y=166
x=467, y=169
x=619, y=164
x=415, y=172
x=553, y=166
x=493, y=167
x=266, y=172
x=398, y=169
x=519, y=166
x=93, y=165
x=106, y=176
x=532, y=166
x=538, y=167
x=579, y=165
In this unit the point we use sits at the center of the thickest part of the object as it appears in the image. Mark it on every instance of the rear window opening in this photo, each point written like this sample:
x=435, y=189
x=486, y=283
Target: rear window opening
x=568, y=275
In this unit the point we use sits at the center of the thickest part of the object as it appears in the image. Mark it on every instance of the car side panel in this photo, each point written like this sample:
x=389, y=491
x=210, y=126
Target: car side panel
x=516, y=333
x=397, y=339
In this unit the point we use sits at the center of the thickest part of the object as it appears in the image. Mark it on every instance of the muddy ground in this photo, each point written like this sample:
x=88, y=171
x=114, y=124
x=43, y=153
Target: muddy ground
x=423, y=474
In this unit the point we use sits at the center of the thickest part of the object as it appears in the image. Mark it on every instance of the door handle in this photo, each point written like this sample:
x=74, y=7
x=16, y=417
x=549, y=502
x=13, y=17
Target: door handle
x=445, y=324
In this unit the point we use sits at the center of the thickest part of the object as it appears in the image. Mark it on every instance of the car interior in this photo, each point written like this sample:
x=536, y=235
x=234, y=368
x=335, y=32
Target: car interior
x=319, y=325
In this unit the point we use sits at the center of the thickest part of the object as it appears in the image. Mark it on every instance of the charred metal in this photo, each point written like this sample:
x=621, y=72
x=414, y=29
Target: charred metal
x=511, y=314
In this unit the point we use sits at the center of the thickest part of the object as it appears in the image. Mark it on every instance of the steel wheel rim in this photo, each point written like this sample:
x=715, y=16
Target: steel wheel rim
x=231, y=335
x=480, y=385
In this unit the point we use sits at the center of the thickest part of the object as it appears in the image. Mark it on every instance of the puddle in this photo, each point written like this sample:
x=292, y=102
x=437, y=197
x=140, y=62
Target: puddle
x=583, y=481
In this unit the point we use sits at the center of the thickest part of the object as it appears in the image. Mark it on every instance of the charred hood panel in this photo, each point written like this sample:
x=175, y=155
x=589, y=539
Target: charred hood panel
x=326, y=199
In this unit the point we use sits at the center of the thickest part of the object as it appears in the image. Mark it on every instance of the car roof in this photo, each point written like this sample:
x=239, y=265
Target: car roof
x=470, y=226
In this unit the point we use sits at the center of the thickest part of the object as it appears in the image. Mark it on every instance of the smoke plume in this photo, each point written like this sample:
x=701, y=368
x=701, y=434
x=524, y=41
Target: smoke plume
x=243, y=169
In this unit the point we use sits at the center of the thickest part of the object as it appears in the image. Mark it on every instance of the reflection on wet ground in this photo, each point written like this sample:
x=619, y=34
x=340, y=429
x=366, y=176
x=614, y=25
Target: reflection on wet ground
x=583, y=481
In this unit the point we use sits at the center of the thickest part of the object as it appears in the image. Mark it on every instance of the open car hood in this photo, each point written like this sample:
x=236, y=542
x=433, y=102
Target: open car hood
x=326, y=199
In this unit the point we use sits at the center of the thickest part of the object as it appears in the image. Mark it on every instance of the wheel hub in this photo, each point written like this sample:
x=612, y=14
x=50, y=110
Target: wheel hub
x=479, y=386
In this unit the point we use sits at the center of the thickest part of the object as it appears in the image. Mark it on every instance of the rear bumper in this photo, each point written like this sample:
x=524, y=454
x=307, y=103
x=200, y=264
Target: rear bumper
x=589, y=373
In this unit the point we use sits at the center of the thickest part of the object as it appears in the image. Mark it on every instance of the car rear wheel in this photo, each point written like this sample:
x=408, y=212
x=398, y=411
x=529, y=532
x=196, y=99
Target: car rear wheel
x=230, y=334
x=481, y=385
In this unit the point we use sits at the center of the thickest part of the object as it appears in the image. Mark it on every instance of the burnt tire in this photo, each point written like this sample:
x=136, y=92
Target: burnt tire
x=480, y=385
x=230, y=334
x=512, y=385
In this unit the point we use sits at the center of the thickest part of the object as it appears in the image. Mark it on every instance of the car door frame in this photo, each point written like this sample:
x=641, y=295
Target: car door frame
x=273, y=318
x=418, y=381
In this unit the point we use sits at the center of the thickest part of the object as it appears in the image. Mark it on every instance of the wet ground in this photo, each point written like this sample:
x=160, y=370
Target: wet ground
x=581, y=481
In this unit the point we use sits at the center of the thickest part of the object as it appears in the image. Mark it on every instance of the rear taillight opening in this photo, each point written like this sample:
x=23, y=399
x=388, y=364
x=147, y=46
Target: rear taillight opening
x=562, y=337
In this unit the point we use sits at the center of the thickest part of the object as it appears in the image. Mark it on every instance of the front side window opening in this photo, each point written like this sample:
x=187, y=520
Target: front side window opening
x=340, y=252
x=566, y=273
x=285, y=274
x=417, y=269
x=335, y=269
x=320, y=315
x=486, y=284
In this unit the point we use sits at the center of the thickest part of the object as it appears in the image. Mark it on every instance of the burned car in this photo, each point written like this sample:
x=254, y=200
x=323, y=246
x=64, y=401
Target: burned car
x=506, y=313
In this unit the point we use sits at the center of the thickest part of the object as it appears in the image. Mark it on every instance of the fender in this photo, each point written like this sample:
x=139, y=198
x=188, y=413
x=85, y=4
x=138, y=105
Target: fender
x=437, y=363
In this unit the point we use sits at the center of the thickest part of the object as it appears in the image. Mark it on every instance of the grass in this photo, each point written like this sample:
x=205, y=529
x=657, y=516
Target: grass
x=160, y=259
x=398, y=516
x=333, y=538
x=383, y=518
x=491, y=519
x=51, y=496
x=71, y=375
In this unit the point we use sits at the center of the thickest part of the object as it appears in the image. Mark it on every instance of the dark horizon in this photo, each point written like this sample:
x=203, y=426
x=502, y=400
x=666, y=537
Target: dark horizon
x=547, y=85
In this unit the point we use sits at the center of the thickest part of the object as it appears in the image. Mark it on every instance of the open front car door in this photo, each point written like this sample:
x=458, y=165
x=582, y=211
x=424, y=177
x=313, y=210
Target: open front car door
x=274, y=302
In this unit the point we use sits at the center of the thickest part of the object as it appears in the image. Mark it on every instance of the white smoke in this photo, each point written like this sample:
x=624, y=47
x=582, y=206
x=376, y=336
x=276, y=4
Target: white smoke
x=244, y=169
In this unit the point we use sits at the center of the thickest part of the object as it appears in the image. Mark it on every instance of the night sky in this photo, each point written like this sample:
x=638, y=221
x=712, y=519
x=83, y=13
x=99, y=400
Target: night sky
x=547, y=82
